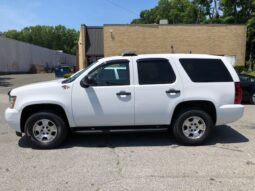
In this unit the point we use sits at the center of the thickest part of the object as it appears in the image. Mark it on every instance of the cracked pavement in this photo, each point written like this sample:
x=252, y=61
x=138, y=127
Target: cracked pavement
x=132, y=161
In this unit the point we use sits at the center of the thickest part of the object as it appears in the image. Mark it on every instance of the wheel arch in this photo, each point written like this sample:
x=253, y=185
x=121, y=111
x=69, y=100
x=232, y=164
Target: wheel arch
x=205, y=105
x=28, y=110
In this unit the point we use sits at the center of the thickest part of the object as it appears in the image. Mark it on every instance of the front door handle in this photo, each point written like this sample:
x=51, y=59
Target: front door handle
x=122, y=93
x=173, y=91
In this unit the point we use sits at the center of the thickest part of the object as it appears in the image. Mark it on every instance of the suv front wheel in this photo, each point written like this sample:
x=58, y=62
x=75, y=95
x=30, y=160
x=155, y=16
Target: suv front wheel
x=45, y=130
x=192, y=126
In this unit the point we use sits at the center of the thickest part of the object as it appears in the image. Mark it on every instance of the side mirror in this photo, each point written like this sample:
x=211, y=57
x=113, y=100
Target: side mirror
x=85, y=82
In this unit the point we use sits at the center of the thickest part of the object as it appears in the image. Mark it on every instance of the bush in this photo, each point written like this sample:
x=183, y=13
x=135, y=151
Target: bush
x=244, y=70
x=68, y=75
x=240, y=68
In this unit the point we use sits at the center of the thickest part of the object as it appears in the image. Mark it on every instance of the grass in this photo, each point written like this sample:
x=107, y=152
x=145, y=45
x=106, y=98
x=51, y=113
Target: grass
x=251, y=73
x=244, y=70
x=68, y=75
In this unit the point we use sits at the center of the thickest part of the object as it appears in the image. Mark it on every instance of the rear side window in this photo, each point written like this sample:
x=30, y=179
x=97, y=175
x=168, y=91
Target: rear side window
x=206, y=70
x=155, y=71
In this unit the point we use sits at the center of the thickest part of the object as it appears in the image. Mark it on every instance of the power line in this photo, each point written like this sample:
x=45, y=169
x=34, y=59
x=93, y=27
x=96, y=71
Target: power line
x=121, y=7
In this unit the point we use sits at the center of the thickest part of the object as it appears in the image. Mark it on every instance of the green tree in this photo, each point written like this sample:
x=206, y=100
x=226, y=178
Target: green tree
x=182, y=11
x=209, y=10
x=176, y=11
x=251, y=37
x=236, y=11
x=56, y=38
x=147, y=17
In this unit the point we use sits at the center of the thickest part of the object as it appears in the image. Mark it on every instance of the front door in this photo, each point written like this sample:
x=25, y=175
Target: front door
x=109, y=100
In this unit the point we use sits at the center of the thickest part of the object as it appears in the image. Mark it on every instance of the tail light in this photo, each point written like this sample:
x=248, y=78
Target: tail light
x=238, y=93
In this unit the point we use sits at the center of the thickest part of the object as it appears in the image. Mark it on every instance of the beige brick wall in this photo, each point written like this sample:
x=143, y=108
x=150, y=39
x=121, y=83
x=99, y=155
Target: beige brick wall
x=206, y=39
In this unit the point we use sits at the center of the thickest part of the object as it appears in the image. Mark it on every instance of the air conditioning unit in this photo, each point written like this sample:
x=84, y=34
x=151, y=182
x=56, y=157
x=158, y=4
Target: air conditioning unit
x=163, y=22
x=231, y=59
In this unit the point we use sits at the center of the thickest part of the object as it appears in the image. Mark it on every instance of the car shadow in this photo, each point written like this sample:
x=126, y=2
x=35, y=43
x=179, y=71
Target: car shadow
x=221, y=134
x=5, y=82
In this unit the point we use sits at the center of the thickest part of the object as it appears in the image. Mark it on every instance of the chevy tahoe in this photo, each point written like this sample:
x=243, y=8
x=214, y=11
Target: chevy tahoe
x=188, y=94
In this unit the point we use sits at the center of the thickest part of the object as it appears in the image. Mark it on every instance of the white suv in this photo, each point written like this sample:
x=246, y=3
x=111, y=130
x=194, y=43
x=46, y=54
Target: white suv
x=186, y=93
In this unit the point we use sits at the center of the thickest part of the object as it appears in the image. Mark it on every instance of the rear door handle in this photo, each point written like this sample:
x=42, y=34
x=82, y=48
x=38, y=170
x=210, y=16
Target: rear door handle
x=173, y=91
x=121, y=93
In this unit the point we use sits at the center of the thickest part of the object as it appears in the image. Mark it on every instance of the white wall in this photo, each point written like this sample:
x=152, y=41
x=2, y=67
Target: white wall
x=16, y=56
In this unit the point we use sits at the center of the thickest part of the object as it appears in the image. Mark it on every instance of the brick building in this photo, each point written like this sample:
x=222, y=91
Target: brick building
x=110, y=40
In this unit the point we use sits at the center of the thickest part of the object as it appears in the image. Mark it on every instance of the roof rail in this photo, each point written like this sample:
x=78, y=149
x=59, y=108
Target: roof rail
x=129, y=54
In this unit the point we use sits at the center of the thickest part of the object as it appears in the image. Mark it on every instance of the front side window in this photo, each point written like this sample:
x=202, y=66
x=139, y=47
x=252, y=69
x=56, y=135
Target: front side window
x=113, y=73
x=155, y=71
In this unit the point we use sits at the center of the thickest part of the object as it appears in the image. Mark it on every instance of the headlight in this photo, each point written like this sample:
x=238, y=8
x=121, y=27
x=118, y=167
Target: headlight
x=12, y=100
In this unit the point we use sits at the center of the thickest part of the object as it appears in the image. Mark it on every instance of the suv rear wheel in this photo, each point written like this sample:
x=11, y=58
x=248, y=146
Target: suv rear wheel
x=45, y=130
x=192, y=126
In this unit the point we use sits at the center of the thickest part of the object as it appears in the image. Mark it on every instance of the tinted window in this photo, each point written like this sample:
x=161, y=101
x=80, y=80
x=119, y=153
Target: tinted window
x=206, y=70
x=110, y=74
x=244, y=78
x=155, y=71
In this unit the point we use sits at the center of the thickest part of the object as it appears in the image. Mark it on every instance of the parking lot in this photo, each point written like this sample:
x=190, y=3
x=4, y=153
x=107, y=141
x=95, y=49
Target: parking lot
x=133, y=161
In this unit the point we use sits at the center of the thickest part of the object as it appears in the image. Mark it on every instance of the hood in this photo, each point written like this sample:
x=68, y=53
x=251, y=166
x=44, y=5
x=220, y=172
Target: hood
x=36, y=86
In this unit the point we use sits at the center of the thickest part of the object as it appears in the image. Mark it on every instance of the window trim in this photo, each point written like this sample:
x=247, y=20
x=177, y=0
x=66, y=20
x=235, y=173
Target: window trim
x=155, y=60
x=105, y=64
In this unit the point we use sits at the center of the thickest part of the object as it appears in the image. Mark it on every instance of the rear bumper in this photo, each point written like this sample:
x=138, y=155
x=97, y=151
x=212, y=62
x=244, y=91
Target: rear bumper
x=229, y=113
x=12, y=117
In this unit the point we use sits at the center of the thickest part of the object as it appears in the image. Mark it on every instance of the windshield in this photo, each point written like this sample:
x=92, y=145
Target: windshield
x=76, y=75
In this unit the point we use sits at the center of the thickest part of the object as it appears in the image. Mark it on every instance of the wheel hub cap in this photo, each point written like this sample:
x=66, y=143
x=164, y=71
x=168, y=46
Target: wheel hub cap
x=44, y=130
x=194, y=127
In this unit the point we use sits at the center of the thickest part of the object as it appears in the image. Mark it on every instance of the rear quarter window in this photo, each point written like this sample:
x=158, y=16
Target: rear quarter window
x=206, y=70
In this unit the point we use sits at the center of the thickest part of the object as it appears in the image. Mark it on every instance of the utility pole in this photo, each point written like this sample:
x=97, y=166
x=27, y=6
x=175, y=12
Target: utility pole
x=250, y=60
x=251, y=49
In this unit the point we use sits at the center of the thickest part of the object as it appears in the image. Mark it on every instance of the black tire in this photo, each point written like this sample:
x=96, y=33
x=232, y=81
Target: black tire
x=252, y=98
x=60, y=127
x=182, y=117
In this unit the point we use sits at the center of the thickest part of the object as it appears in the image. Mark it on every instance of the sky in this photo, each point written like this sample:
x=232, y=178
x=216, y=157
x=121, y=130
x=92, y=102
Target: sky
x=17, y=14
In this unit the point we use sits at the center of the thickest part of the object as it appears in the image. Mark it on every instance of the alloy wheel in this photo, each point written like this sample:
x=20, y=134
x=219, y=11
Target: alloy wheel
x=194, y=127
x=44, y=130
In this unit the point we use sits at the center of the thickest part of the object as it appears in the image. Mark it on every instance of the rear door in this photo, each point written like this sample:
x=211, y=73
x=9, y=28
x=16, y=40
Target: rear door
x=158, y=89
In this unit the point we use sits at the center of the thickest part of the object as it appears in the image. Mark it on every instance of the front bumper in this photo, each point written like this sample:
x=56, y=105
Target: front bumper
x=12, y=117
x=229, y=113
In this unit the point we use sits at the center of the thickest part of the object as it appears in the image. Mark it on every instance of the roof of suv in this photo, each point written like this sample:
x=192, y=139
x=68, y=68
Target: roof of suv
x=226, y=61
x=164, y=55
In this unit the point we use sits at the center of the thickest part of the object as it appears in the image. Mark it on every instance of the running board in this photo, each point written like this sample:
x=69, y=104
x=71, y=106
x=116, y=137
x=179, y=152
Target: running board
x=119, y=129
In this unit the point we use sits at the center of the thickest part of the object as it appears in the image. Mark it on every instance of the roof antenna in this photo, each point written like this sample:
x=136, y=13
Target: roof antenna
x=129, y=54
